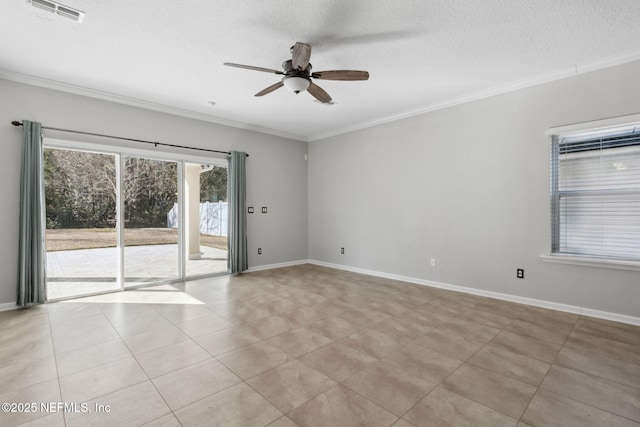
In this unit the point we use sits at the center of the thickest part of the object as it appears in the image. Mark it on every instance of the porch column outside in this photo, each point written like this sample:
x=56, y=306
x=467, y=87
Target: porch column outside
x=192, y=209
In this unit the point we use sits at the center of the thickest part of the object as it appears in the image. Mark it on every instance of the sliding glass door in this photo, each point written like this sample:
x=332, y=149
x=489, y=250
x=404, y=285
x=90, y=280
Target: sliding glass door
x=205, y=219
x=81, y=236
x=151, y=220
x=118, y=220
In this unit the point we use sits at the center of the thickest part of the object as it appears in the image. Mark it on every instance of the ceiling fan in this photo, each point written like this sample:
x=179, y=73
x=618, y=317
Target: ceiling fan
x=297, y=74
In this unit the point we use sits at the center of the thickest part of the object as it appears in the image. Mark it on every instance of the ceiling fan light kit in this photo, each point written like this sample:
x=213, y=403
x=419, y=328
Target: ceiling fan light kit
x=296, y=84
x=296, y=80
x=298, y=76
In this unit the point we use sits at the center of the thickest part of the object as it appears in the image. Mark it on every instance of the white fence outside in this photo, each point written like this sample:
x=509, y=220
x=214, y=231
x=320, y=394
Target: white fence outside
x=213, y=218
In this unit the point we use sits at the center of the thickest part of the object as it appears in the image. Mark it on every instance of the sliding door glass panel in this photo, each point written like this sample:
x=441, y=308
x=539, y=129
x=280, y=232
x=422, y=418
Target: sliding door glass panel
x=150, y=219
x=205, y=219
x=81, y=239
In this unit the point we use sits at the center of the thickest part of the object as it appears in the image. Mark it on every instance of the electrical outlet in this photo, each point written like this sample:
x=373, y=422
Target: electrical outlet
x=250, y=209
x=520, y=273
x=433, y=262
x=264, y=209
x=342, y=251
x=259, y=251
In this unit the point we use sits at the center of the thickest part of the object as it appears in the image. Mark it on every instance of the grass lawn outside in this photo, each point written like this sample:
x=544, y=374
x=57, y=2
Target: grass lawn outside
x=90, y=238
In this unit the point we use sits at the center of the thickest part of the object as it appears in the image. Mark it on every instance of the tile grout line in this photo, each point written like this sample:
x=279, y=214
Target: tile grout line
x=467, y=361
x=55, y=360
x=140, y=366
x=267, y=399
x=550, y=366
x=571, y=398
x=452, y=372
x=171, y=411
x=598, y=356
x=372, y=402
x=143, y=370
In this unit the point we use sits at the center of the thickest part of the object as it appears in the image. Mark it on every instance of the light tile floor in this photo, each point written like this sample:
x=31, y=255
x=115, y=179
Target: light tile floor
x=311, y=346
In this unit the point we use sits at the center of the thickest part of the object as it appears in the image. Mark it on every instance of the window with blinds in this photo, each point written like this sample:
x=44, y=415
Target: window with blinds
x=596, y=194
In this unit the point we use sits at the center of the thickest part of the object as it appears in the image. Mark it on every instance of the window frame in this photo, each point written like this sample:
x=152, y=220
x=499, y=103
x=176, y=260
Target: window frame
x=555, y=135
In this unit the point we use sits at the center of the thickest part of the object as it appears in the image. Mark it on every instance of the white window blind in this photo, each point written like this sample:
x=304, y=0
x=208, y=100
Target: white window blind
x=596, y=193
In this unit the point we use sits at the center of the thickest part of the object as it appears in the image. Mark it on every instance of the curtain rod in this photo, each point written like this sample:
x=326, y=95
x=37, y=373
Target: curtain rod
x=17, y=123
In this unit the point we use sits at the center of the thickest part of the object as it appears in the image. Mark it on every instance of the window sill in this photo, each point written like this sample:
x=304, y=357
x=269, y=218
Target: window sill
x=592, y=262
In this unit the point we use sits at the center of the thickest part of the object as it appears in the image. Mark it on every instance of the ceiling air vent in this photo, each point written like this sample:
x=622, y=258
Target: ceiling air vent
x=58, y=9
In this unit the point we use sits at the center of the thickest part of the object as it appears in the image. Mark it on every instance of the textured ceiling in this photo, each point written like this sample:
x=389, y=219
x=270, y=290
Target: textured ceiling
x=168, y=54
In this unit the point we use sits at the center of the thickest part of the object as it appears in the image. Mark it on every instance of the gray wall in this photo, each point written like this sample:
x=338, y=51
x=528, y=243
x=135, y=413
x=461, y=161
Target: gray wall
x=276, y=168
x=469, y=186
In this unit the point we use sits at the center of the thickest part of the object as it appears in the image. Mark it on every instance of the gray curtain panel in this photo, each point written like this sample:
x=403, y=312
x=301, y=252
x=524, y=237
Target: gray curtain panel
x=237, y=181
x=32, y=252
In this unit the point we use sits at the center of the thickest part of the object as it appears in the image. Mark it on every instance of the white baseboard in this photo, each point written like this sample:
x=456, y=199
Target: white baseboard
x=622, y=318
x=8, y=306
x=278, y=265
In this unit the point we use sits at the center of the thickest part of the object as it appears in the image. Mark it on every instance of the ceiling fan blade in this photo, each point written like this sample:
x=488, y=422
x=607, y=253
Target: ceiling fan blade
x=318, y=93
x=301, y=54
x=341, y=75
x=251, y=67
x=270, y=89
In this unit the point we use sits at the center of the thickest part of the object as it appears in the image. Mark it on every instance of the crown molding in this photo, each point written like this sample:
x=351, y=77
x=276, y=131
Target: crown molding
x=134, y=102
x=497, y=90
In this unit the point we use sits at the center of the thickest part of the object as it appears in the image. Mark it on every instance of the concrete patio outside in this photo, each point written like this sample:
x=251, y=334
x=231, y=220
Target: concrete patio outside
x=85, y=271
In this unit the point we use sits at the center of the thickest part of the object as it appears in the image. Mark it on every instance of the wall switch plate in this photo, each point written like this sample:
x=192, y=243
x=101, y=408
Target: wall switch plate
x=250, y=209
x=264, y=209
x=520, y=273
x=433, y=262
x=259, y=251
x=342, y=251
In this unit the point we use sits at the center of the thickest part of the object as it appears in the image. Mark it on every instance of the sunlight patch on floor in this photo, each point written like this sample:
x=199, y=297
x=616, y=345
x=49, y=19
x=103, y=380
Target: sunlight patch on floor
x=165, y=294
